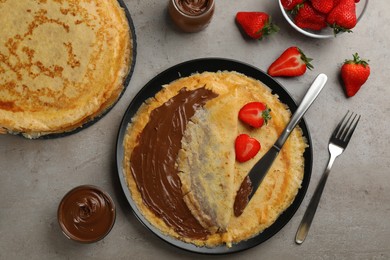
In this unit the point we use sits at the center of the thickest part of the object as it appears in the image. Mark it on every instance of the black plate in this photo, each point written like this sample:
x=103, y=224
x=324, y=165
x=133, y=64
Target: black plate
x=125, y=82
x=213, y=65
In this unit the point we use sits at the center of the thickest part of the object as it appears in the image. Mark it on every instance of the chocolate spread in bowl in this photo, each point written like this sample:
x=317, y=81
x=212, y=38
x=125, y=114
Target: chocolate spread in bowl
x=153, y=161
x=86, y=214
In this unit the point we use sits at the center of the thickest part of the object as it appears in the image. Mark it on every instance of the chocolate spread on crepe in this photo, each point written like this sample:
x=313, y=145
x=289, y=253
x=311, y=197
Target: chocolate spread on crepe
x=153, y=161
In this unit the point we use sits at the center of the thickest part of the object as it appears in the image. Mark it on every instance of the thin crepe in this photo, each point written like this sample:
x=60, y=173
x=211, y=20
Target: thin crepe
x=206, y=162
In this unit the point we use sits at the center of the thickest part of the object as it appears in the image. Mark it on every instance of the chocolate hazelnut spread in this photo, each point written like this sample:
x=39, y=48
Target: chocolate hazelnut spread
x=86, y=214
x=191, y=15
x=153, y=161
x=242, y=197
x=193, y=7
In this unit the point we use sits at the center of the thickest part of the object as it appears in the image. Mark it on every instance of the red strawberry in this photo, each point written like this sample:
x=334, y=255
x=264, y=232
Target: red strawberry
x=308, y=18
x=246, y=147
x=354, y=74
x=336, y=2
x=254, y=114
x=289, y=5
x=256, y=24
x=291, y=63
x=342, y=18
x=323, y=6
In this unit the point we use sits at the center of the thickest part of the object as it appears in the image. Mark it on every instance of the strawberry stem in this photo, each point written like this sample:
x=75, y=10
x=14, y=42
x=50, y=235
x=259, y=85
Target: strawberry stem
x=296, y=8
x=266, y=115
x=338, y=29
x=357, y=60
x=269, y=28
x=306, y=60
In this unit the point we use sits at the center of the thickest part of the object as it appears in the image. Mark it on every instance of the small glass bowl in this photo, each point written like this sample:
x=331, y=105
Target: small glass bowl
x=86, y=214
x=326, y=32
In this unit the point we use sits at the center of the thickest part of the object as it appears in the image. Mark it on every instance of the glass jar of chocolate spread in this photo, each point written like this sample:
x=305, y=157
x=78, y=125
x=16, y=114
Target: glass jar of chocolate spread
x=191, y=15
x=86, y=214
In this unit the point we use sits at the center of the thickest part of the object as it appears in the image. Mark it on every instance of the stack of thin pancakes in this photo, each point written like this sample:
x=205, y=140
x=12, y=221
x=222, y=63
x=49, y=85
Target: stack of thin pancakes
x=62, y=63
x=188, y=191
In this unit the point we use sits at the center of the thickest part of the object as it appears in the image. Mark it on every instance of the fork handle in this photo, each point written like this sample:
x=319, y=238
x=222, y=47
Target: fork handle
x=307, y=219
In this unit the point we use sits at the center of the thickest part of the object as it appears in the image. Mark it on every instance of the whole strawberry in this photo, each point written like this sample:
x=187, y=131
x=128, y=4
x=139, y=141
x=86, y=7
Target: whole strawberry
x=323, y=6
x=342, y=18
x=256, y=24
x=354, y=74
x=291, y=63
x=308, y=18
x=290, y=5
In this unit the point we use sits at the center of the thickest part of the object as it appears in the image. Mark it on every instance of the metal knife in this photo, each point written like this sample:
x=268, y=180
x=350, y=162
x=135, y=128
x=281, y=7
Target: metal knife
x=256, y=175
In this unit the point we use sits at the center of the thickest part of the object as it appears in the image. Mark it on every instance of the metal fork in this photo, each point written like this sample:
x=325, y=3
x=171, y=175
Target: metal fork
x=337, y=144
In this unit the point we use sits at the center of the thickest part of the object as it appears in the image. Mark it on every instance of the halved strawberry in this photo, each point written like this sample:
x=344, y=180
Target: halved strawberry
x=293, y=62
x=254, y=114
x=246, y=147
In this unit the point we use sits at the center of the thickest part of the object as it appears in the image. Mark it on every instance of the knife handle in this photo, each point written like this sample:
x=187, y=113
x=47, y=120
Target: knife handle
x=308, y=99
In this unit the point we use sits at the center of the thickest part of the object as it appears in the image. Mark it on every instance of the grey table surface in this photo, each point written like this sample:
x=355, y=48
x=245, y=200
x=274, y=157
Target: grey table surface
x=353, y=219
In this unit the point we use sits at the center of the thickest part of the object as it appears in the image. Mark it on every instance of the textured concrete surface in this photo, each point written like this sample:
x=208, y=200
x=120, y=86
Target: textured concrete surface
x=353, y=219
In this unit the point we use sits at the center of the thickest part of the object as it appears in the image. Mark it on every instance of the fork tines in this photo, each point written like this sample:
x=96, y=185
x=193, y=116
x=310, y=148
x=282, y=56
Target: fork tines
x=345, y=128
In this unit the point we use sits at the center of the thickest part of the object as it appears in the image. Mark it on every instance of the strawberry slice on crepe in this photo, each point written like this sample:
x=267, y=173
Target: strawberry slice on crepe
x=246, y=147
x=254, y=114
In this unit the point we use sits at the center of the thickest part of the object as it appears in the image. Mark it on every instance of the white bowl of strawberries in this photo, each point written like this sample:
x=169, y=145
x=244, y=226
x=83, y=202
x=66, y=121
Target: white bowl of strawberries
x=323, y=18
